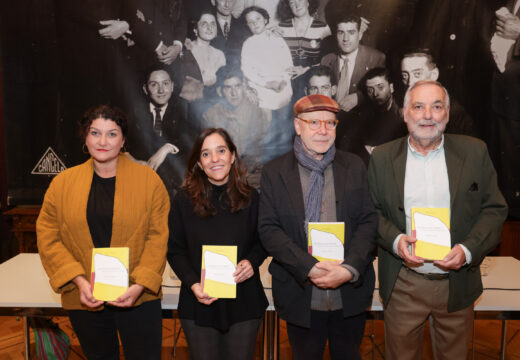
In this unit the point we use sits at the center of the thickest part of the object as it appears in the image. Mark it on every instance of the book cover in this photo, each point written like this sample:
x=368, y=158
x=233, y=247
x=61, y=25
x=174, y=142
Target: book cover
x=218, y=265
x=326, y=240
x=431, y=228
x=109, y=273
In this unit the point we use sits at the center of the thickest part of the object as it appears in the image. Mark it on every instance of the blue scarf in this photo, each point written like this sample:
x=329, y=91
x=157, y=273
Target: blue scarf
x=315, y=190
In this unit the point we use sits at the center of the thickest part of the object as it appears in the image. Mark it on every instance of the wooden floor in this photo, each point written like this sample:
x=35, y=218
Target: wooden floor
x=487, y=340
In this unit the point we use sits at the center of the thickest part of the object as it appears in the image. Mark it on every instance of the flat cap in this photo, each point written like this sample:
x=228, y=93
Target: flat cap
x=315, y=102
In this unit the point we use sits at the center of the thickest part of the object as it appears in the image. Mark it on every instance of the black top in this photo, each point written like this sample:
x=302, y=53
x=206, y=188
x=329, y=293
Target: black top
x=100, y=209
x=188, y=232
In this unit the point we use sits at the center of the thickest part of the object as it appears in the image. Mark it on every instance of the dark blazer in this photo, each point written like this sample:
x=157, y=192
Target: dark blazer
x=143, y=142
x=478, y=210
x=366, y=59
x=281, y=228
x=158, y=20
x=232, y=46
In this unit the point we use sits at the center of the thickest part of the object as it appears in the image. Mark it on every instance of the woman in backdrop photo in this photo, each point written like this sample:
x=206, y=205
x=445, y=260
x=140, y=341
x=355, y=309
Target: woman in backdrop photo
x=108, y=201
x=216, y=206
x=266, y=61
x=196, y=70
x=303, y=32
x=267, y=65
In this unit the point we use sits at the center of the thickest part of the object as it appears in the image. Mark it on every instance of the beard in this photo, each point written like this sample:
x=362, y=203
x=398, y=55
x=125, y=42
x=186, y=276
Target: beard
x=427, y=135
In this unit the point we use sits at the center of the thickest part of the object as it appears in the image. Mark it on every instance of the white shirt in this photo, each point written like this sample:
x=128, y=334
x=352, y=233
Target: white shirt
x=222, y=20
x=152, y=110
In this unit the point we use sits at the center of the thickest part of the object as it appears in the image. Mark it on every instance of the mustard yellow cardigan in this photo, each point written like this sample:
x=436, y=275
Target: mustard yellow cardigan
x=140, y=222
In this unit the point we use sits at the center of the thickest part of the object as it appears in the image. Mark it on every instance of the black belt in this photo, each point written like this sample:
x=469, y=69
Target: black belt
x=430, y=276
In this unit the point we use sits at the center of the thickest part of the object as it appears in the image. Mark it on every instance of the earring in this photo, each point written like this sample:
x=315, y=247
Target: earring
x=84, y=149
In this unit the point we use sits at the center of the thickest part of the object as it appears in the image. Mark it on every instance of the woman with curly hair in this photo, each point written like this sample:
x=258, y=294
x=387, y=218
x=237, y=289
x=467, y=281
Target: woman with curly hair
x=108, y=201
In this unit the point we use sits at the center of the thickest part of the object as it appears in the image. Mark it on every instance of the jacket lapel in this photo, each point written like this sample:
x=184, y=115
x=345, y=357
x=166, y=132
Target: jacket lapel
x=399, y=166
x=357, y=72
x=454, y=165
x=290, y=177
x=75, y=208
x=340, y=178
x=118, y=227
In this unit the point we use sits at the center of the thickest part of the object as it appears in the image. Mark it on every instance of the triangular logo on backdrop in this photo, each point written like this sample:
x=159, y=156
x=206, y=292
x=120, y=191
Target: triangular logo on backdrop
x=49, y=164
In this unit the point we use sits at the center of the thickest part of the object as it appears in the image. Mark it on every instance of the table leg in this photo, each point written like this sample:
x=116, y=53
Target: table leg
x=271, y=336
x=503, y=345
x=473, y=338
x=27, y=337
x=372, y=337
x=21, y=243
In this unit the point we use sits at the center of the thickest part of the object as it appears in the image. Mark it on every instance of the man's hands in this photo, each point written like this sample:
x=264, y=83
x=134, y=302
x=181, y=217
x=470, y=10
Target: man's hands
x=167, y=54
x=454, y=260
x=348, y=102
x=403, y=250
x=329, y=274
x=508, y=26
x=113, y=29
x=157, y=159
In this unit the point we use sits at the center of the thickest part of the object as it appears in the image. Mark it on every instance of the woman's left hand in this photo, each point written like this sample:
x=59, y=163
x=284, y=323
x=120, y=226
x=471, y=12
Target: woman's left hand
x=243, y=271
x=129, y=297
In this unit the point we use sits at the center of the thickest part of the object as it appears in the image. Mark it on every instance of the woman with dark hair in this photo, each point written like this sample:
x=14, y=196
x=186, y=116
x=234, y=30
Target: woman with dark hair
x=200, y=61
x=108, y=201
x=302, y=32
x=217, y=207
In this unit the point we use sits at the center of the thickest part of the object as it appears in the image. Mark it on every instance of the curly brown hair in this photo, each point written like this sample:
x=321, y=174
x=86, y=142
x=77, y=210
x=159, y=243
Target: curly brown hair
x=198, y=187
x=106, y=112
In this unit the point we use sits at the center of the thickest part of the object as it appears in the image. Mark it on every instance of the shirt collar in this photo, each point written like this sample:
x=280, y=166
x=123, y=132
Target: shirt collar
x=163, y=108
x=223, y=19
x=351, y=56
x=433, y=151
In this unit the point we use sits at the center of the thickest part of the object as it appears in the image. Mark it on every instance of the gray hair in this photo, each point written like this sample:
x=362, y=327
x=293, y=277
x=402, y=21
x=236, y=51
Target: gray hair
x=425, y=82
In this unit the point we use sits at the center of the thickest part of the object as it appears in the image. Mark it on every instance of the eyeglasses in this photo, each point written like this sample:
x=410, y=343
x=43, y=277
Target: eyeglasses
x=315, y=124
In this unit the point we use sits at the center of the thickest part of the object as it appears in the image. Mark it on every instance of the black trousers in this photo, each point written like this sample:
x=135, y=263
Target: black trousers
x=344, y=335
x=207, y=343
x=140, y=330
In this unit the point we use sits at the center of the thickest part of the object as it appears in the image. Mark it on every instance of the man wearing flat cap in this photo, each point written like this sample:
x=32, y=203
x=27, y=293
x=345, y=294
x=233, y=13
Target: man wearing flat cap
x=315, y=183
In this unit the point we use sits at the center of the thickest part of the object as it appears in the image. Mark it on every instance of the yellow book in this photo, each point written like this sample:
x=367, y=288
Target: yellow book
x=109, y=276
x=431, y=228
x=326, y=240
x=218, y=265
